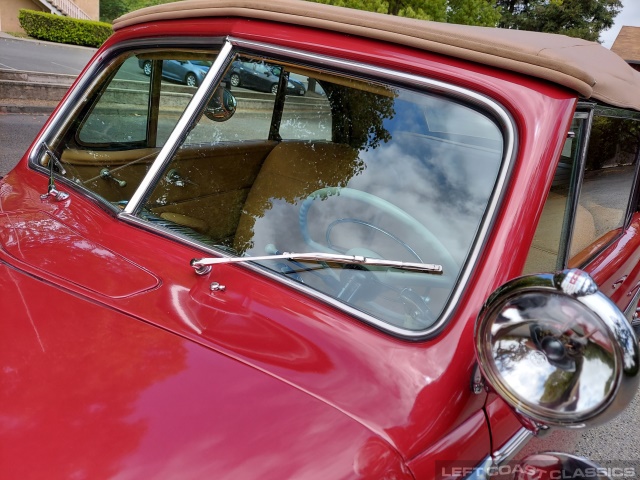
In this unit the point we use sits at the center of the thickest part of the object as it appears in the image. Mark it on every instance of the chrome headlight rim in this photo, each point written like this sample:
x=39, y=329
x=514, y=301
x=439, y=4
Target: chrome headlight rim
x=576, y=289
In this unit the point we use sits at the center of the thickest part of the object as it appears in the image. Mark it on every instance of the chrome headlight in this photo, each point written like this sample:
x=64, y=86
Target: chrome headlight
x=558, y=350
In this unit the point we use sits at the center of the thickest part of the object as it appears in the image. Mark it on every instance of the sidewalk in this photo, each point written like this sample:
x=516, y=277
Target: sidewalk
x=42, y=42
x=31, y=92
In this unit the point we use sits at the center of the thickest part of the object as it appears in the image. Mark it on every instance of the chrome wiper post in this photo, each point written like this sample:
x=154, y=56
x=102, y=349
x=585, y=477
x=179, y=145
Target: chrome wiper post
x=202, y=266
x=52, y=191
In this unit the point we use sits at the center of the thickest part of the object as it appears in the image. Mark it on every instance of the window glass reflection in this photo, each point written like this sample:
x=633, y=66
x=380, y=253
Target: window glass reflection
x=549, y=242
x=607, y=185
x=343, y=166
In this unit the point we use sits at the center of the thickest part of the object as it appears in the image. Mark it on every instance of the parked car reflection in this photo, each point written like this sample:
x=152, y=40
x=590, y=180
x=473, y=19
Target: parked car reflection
x=189, y=72
x=262, y=77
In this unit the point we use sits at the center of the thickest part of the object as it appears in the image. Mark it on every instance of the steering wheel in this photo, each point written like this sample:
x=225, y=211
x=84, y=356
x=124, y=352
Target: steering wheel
x=443, y=255
x=363, y=289
x=371, y=294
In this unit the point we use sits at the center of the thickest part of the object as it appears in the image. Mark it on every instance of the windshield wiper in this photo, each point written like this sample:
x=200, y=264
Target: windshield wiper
x=202, y=266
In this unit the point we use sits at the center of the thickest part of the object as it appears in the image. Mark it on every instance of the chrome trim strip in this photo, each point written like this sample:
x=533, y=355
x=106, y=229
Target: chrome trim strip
x=512, y=446
x=632, y=307
x=482, y=471
x=500, y=115
x=503, y=455
x=179, y=131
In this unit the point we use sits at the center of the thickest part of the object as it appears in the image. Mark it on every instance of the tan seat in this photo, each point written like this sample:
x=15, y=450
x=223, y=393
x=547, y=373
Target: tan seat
x=290, y=173
x=543, y=254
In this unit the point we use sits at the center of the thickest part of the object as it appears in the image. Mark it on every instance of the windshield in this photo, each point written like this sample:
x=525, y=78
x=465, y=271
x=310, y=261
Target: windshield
x=338, y=166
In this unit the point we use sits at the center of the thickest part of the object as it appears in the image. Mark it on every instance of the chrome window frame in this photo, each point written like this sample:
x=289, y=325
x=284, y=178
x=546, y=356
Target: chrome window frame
x=88, y=81
x=229, y=47
x=584, y=111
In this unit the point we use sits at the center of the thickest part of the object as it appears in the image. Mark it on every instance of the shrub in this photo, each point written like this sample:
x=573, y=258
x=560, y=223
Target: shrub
x=56, y=28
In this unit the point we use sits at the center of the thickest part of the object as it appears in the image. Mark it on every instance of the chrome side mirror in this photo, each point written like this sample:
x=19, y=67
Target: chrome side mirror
x=222, y=106
x=557, y=350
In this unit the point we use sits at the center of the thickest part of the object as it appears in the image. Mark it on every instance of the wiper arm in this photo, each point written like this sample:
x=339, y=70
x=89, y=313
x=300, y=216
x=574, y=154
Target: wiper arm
x=202, y=266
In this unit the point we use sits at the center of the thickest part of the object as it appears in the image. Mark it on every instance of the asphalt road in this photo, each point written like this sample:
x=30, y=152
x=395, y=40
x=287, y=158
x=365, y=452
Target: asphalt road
x=36, y=56
x=616, y=441
x=17, y=131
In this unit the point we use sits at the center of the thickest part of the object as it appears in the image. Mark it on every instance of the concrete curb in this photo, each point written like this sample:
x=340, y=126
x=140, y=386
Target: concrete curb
x=26, y=109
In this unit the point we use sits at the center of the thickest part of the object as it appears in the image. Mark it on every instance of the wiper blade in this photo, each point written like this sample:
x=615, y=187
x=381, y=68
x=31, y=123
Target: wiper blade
x=202, y=266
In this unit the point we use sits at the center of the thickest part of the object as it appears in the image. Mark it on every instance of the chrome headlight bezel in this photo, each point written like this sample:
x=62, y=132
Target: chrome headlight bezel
x=557, y=350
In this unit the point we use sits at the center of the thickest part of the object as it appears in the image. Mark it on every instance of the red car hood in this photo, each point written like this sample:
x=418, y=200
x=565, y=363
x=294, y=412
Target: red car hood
x=275, y=342
x=88, y=392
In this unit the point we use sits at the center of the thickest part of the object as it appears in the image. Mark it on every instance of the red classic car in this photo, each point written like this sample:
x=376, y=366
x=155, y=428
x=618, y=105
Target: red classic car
x=407, y=273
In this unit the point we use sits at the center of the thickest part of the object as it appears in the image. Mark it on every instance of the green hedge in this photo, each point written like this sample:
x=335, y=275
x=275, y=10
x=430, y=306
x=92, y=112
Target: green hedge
x=56, y=28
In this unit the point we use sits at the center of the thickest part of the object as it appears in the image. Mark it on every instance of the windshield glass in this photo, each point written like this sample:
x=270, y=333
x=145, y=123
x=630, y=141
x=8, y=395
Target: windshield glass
x=337, y=165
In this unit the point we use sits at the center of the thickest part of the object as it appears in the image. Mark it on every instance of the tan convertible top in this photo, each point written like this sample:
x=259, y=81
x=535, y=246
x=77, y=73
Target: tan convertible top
x=586, y=67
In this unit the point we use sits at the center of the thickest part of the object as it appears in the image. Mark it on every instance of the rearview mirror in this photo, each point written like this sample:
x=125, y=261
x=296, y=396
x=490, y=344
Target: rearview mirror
x=222, y=106
x=557, y=350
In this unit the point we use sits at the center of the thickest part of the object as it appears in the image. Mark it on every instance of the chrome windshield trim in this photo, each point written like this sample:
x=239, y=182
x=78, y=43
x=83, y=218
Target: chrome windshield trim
x=179, y=132
x=489, y=106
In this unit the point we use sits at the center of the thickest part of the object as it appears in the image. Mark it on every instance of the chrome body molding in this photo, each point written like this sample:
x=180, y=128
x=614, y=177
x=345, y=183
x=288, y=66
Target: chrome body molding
x=482, y=471
x=569, y=463
x=502, y=456
x=510, y=449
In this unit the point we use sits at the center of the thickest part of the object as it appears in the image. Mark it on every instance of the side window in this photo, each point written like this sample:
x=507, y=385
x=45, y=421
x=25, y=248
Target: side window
x=253, y=82
x=105, y=123
x=337, y=165
x=607, y=184
x=549, y=245
x=307, y=113
x=589, y=198
x=110, y=141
